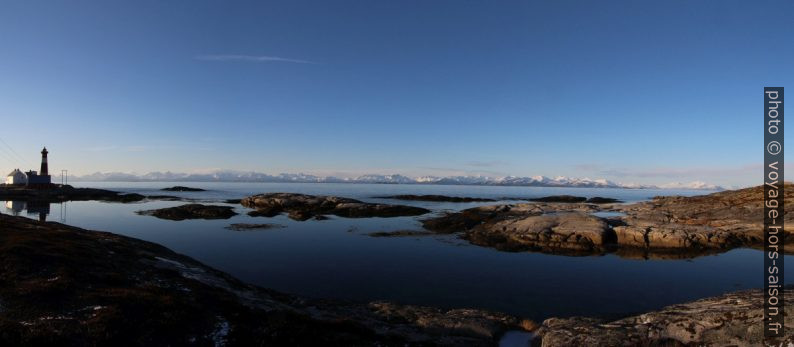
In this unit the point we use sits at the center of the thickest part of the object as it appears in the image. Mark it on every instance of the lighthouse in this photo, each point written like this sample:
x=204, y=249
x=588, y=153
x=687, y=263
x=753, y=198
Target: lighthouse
x=40, y=179
x=44, y=170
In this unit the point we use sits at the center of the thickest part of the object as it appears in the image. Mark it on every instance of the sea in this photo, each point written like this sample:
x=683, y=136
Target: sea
x=337, y=258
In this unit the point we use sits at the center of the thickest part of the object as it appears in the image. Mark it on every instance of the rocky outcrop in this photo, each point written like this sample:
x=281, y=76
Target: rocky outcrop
x=721, y=220
x=546, y=227
x=469, y=218
x=182, y=189
x=303, y=207
x=67, y=286
x=437, y=198
x=565, y=232
x=734, y=319
x=665, y=227
x=191, y=211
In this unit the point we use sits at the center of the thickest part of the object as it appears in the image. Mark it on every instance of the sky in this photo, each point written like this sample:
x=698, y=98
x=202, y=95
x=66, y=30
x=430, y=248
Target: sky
x=633, y=91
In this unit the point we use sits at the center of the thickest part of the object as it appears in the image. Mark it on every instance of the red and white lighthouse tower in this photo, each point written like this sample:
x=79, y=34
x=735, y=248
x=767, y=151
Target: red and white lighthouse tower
x=44, y=169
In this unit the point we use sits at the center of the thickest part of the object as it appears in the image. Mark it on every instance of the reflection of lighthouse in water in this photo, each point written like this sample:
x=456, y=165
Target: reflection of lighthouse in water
x=42, y=208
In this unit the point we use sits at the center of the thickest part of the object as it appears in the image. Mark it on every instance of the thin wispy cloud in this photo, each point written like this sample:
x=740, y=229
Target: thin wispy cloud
x=252, y=58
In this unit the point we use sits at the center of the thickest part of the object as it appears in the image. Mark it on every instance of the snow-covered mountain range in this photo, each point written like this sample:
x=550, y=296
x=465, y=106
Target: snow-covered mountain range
x=240, y=176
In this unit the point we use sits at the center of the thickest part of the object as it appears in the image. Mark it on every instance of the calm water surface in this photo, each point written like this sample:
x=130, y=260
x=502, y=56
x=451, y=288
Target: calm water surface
x=336, y=259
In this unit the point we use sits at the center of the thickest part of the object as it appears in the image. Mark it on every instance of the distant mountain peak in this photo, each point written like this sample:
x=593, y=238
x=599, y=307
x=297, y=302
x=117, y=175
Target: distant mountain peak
x=252, y=176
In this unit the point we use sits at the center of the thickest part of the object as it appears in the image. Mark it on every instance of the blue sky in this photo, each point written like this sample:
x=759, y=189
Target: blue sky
x=634, y=91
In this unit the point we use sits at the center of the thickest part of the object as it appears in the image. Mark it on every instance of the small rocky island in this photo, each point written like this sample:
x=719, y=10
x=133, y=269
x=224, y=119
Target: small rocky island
x=182, y=189
x=302, y=207
x=191, y=211
x=662, y=227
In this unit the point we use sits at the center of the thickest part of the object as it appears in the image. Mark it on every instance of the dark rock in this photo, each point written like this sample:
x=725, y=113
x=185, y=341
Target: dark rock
x=300, y=215
x=67, y=286
x=182, y=189
x=233, y=201
x=192, y=211
x=734, y=319
x=132, y=197
x=439, y=198
x=265, y=212
x=560, y=198
x=600, y=200
x=246, y=227
x=303, y=207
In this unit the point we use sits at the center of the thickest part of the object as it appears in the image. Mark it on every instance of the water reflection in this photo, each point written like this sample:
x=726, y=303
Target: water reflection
x=41, y=209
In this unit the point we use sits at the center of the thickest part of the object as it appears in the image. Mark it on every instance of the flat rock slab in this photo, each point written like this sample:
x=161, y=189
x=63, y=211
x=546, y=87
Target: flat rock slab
x=467, y=219
x=734, y=319
x=303, y=207
x=554, y=233
x=191, y=211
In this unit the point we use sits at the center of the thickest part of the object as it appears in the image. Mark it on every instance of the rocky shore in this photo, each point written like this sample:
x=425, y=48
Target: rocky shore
x=734, y=319
x=663, y=227
x=66, y=286
x=303, y=207
x=721, y=220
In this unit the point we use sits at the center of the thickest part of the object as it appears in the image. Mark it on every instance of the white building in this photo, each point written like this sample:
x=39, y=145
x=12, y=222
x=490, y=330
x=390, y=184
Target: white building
x=17, y=177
